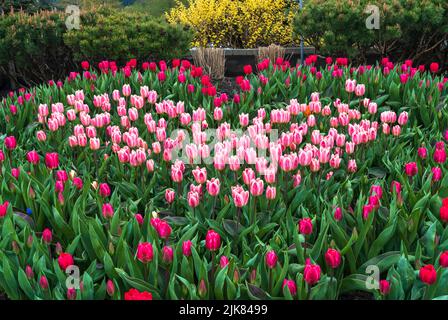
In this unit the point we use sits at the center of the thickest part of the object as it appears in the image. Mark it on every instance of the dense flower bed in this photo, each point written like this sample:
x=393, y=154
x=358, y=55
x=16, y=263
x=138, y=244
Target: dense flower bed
x=155, y=185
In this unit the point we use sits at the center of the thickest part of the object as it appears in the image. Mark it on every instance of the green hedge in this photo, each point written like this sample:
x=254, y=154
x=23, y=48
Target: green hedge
x=32, y=47
x=38, y=47
x=120, y=35
x=409, y=29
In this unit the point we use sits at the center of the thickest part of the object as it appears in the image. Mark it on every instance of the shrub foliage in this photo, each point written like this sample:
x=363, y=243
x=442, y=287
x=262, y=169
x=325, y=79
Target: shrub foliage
x=408, y=28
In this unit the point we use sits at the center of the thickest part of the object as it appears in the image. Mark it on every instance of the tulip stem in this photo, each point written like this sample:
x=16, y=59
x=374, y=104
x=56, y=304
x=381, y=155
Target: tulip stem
x=253, y=216
x=213, y=267
x=214, y=207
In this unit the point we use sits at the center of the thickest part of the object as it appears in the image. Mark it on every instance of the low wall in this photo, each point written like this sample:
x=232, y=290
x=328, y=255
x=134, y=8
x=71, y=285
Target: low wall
x=236, y=59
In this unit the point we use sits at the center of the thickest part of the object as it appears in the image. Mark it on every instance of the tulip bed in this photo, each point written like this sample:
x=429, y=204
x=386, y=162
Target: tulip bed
x=149, y=183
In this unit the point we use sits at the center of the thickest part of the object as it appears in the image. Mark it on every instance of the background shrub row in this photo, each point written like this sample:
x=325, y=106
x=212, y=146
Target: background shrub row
x=38, y=47
x=409, y=29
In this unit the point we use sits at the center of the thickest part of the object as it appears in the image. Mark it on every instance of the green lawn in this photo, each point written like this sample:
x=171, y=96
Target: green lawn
x=155, y=7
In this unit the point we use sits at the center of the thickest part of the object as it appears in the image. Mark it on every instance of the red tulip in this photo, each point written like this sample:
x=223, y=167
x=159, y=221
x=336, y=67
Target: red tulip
x=186, y=248
x=52, y=160
x=411, y=169
x=145, y=252
x=443, y=214
x=163, y=229
x=4, y=209
x=434, y=67
x=85, y=65
x=43, y=282
x=77, y=182
x=311, y=273
x=247, y=69
x=333, y=258
x=29, y=272
x=107, y=210
x=223, y=261
x=71, y=293
x=134, y=294
x=139, y=218
x=10, y=142
x=65, y=260
x=110, y=287
x=167, y=254
x=32, y=157
x=212, y=240
x=104, y=190
x=47, y=236
x=338, y=214
x=443, y=260
x=384, y=287
x=305, y=226
x=428, y=274
x=291, y=286
x=271, y=259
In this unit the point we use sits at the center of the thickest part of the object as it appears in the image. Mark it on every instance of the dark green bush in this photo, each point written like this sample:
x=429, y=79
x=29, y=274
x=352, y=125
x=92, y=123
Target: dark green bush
x=409, y=29
x=121, y=35
x=32, y=47
x=26, y=5
x=39, y=47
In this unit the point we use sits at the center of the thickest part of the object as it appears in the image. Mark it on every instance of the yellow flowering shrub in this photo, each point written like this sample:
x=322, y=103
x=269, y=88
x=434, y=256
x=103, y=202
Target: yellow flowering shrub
x=237, y=23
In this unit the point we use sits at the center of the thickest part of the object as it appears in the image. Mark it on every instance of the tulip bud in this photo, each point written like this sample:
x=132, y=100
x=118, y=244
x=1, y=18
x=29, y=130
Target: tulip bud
x=58, y=248
x=202, y=290
x=43, y=282
x=167, y=254
x=29, y=241
x=71, y=294
x=47, y=236
x=29, y=272
x=111, y=248
x=253, y=276
x=15, y=247
x=271, y=259
x=110, y=287
x=236, y=275
x=223, y=261
x=186, y=248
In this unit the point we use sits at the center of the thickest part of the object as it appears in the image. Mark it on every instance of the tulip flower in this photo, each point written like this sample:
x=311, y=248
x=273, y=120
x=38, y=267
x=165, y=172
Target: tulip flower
x=271, y=259
x=167, y=254
x=43, y=282
x=186, y=248
x=306, y=226
x=384, y=287
x=411, y=169
x=47, y=236
x=145, y=252
x=291, y=286
x=110, y=287
x=311, y=273
x=212, y=240
x=428, y=274
x=333, y=258
x=104, y=190
x=107, y=210
x=134, y=294
x=10, y=142
x=65, y=260
x=4, y=209
x=52, y=160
